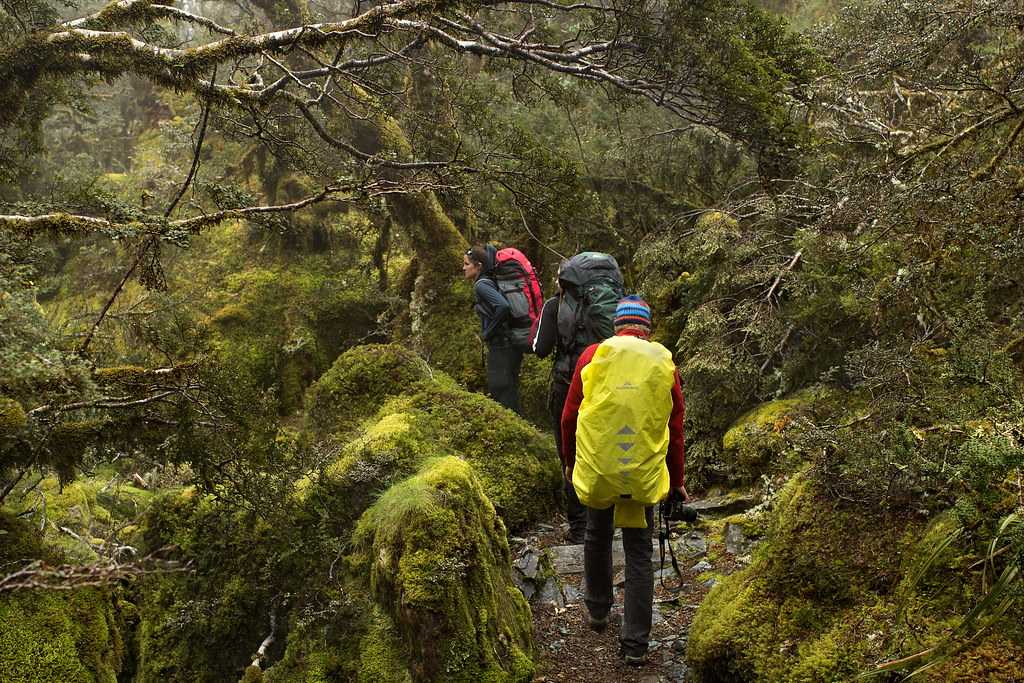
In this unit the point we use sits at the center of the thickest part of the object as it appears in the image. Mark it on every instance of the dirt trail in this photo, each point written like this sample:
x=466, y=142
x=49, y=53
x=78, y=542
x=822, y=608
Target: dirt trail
x=569, y=651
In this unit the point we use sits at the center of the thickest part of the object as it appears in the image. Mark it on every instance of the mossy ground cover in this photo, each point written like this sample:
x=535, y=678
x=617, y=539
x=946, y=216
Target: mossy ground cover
x=836, y=589
x=100, y=510
x=55, y=635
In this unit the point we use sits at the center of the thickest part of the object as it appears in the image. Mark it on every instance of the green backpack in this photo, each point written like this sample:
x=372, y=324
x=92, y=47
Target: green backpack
x=591, y=285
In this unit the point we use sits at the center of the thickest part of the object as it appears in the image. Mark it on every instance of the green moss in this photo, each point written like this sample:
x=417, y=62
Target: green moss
x=359, y=382
x=281, y=322
x=753, y=524
x=534, y=382
x=444, y=329
x=732, y=631
x=12, y=416
x=92, y=507
x=353, y=640
x=205, y=625
x=756, y=438
x=127, y=376
x=380, y=657
x=516, y=464
x=813, y=604
x=388, y=451
x=231, y=315
x=437, y=560
x=828, y=552
x=717, y=227
x=54, y=635
x=59, y=636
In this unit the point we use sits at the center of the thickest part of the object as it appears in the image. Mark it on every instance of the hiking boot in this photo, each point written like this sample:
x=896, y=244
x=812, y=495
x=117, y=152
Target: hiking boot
x=598, y=624
x=633, y=656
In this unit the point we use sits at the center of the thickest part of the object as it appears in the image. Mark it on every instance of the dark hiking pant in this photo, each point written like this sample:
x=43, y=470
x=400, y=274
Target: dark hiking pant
x=575, y=512
x=503, y=361
x=597, y=575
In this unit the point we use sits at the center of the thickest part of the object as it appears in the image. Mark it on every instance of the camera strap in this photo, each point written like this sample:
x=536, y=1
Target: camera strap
x=663, y=539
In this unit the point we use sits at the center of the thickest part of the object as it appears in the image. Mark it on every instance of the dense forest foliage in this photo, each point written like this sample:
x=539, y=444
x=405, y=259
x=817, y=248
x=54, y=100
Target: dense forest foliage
x=242, y=425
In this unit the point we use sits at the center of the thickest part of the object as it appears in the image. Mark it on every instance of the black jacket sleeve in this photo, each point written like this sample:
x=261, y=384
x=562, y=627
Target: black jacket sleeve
x=546, y=336
x=492, y=307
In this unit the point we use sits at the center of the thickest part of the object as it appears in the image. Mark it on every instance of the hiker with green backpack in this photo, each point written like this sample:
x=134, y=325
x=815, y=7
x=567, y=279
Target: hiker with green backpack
x=623, y=450
x=507, y=298
x=582, y=313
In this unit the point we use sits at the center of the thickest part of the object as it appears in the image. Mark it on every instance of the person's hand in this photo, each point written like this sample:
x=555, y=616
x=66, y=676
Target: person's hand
x=568, y=473
x=681, y=490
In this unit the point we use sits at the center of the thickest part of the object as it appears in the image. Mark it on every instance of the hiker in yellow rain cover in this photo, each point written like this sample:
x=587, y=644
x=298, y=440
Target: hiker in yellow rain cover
x=623, y=449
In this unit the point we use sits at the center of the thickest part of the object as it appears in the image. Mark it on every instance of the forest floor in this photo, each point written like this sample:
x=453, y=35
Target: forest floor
x=568, y=650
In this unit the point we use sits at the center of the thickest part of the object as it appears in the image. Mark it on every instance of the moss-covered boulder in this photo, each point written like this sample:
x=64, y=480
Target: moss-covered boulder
x=756, y=442
x=437, y=559
x=836, y=589
x=359, y=382
x=52, y=635
x=516, y=464
x=820, y=565
x=55, y=635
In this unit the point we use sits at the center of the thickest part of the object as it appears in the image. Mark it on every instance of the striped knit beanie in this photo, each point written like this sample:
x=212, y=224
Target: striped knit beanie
x=633, y=311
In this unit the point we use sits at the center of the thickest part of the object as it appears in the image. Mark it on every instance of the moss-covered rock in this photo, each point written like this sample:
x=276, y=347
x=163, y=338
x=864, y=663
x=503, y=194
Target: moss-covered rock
x=782, y=618
x=517, y=464
x=51, y=635
x=756, y=440
x=359, y=382
x=54, y=635
x=436, y=556
x=836, y=589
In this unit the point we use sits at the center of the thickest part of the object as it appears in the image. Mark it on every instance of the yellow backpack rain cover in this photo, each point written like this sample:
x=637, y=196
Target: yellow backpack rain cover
x=622, y=428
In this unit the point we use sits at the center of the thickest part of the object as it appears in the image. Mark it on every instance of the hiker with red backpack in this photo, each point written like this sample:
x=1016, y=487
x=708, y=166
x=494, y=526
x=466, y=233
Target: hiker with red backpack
x=508, y=301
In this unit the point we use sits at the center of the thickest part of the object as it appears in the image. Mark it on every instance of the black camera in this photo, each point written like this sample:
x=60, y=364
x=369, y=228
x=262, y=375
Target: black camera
x=675, y=510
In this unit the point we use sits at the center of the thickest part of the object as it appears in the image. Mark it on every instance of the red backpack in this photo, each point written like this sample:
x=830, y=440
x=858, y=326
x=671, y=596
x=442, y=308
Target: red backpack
x=517, y=281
